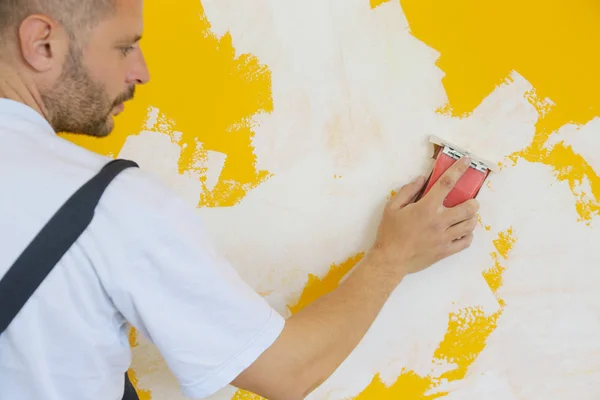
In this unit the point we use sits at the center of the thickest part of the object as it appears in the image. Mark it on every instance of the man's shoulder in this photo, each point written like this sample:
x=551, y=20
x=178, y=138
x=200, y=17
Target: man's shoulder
x=140, y=213
x=141, y=191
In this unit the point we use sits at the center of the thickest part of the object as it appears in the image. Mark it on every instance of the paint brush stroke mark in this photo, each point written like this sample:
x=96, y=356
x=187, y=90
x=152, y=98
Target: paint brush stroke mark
x=133, y=338
x=551, y=44
x=465, y=338
x=205, y=94
x=409, y=386
x=244, y=395
x=566, y=164
x=318, y=287
x=315, y=288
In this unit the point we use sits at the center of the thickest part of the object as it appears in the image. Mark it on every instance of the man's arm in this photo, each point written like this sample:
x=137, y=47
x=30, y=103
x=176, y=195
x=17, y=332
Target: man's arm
x=315, y=341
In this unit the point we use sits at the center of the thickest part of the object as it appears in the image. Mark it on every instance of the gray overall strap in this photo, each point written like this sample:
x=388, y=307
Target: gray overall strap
x=50, y=245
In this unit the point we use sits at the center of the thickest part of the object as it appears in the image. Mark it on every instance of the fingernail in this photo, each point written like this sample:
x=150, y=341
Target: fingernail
x=467, y=160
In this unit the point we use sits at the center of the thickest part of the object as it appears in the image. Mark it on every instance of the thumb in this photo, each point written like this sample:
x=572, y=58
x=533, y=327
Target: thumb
x=407, y=193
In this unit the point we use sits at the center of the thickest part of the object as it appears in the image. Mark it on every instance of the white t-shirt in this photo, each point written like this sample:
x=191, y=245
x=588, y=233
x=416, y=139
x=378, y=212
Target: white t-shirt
x=145, y=259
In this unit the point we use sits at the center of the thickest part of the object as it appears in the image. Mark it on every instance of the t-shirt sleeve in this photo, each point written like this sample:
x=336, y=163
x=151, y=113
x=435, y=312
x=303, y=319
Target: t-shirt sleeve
x=179, y=292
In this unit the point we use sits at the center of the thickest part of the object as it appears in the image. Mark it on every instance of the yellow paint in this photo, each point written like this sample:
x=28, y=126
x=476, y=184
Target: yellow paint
x=504, y=243
x=133, y=337
x=480, y=220
x=317, y=287
x=375, y=3
x=203, y=91
x=409, y=386
x=551, y=44
x=143, y=394
x=468, y=330
x=493, y=276
x=568, y=166
x=244, y=395
x=465, y=338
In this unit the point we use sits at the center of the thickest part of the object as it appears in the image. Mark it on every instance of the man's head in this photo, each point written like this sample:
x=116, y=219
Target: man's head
x=80, y=58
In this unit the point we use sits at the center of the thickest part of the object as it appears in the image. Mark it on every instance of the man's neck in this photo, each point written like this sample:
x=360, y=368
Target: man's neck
x=13, y=86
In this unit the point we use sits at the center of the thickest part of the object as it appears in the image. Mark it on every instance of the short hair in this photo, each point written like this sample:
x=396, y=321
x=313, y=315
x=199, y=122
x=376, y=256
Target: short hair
x=76, y=16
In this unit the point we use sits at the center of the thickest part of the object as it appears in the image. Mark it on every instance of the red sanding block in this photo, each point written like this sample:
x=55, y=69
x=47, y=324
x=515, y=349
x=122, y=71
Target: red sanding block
x=468, y=186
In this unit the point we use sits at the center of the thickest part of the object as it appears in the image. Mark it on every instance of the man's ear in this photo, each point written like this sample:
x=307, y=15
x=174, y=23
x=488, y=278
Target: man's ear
x=42, y=42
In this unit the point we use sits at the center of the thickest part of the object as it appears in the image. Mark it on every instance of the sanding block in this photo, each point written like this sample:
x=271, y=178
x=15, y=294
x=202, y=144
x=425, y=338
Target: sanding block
x=468, y=186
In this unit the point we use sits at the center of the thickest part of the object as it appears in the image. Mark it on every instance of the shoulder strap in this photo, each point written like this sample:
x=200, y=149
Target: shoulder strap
x=52, y=242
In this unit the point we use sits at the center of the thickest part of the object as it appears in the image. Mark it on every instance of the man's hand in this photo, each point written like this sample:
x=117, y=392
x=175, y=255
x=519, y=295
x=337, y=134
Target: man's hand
x=412, y=236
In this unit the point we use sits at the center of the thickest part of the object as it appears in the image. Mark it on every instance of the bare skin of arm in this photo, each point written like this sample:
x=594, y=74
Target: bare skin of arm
x=411, y=237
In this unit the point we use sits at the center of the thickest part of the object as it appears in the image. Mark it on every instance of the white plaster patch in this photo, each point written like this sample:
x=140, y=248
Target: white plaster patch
x=550, y=326
x=152, y=120
x=152, y=372
x=157, y=150
x=355, y=98
x=501, y=125
x=214, y=164
x=583, y=140
x=489, y=385
x=158, y=154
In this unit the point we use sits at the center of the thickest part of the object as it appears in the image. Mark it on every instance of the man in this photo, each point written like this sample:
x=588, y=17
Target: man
x=69, y=65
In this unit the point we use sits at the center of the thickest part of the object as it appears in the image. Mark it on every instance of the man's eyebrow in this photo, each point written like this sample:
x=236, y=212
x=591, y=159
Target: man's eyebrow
x=131, y=40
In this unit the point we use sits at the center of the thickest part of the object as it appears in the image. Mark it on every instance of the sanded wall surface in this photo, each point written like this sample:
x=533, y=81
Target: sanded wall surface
x=289, y=123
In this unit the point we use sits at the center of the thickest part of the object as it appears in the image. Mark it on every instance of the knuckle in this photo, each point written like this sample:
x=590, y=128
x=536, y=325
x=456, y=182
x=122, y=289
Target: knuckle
x=447, y=181
x=438, y=210
x=471, y=207
x=410, y=185
x=400, y=192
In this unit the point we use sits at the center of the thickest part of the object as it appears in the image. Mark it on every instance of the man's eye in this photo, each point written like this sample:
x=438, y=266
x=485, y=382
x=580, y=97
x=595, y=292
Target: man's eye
x=127, y=50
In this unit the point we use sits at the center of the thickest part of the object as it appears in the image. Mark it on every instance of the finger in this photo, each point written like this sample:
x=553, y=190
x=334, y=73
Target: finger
x=448, y=180
x=461, y=212
x=462, y=229
x=460, y=244
x=407, y=193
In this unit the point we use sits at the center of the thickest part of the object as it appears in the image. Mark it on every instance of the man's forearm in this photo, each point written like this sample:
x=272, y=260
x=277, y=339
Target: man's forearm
x=320, y=337
x=329, y=329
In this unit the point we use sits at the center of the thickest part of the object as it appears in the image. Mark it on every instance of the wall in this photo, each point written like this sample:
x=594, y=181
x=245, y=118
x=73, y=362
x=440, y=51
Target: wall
x=289, y=123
